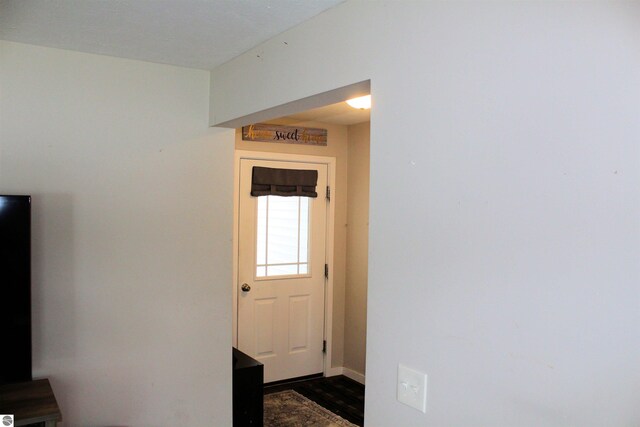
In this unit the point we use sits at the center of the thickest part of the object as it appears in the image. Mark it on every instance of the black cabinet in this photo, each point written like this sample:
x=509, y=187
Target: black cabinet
x=15, y=289
x=248, y=377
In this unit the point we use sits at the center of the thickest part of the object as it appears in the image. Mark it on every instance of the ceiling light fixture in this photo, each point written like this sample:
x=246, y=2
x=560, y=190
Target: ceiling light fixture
x=361, y=103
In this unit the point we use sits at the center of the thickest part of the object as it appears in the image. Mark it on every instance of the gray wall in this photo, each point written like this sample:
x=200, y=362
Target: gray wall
x=505, y=214
x=355, y=312
x=132, y=218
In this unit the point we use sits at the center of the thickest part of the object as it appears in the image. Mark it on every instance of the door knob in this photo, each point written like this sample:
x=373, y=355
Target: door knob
x=245, y=287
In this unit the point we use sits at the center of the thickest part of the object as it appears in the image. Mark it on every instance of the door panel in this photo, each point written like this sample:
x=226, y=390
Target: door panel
x=299, y=314
x=281, y=261
x=265, y=319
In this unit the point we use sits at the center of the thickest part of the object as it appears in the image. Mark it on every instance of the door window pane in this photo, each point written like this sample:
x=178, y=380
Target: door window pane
x=282, y=241
x=303, y=250
x=261, y=253
x=282, y=270
x=282, y=229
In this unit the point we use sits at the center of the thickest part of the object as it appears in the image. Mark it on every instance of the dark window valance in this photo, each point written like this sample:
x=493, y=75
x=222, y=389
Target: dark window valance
x=283, y=182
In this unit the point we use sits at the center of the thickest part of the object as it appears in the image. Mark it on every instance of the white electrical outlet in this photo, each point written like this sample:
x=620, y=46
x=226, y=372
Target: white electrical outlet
x=412, y=388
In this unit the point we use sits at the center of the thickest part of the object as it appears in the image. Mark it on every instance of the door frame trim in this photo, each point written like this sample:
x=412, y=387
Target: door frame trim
x=329, y=250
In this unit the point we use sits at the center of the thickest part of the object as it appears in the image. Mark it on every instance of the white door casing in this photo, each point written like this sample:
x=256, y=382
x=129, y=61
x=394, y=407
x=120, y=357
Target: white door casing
x=281, y=317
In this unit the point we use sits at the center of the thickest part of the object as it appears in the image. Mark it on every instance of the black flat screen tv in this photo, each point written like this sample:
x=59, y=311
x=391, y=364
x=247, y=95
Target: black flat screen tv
x=15, y=289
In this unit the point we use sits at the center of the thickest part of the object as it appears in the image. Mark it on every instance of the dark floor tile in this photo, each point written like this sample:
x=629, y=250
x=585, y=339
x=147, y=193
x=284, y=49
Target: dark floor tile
x=341, y=395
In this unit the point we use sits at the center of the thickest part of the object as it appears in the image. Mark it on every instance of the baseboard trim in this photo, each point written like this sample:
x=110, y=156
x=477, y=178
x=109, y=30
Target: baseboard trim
x=356, y=376
x=349, y=373
x=332, y=372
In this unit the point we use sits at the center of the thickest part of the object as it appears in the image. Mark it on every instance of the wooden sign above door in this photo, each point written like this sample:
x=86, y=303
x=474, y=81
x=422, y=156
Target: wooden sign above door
x=265, y=132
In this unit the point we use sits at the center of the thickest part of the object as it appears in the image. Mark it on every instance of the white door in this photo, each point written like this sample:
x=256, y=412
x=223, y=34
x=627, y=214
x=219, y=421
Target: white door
x=281, y=277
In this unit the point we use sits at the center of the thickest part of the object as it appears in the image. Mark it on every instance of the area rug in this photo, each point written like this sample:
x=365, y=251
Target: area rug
x=291, y=409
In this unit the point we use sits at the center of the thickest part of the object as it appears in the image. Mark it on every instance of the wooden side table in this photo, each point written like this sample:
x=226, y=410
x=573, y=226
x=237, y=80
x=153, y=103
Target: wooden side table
x=30, y=402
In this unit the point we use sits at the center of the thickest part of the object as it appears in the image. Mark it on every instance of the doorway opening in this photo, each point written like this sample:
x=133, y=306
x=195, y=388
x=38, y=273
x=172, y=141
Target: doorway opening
x=346, y=156
x=284, y=243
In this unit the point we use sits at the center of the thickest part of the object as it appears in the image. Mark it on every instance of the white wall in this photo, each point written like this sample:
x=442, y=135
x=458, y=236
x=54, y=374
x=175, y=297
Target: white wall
x=132, y=210
x=505, y=213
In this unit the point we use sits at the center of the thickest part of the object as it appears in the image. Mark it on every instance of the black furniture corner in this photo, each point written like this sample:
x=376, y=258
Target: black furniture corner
x=248, y=377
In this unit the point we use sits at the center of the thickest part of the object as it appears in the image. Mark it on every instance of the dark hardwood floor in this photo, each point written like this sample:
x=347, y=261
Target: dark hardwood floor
x=341, y=395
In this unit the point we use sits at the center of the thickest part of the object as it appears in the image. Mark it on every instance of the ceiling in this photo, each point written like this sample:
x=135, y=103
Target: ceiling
x=191, y=33
x=337, y=114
